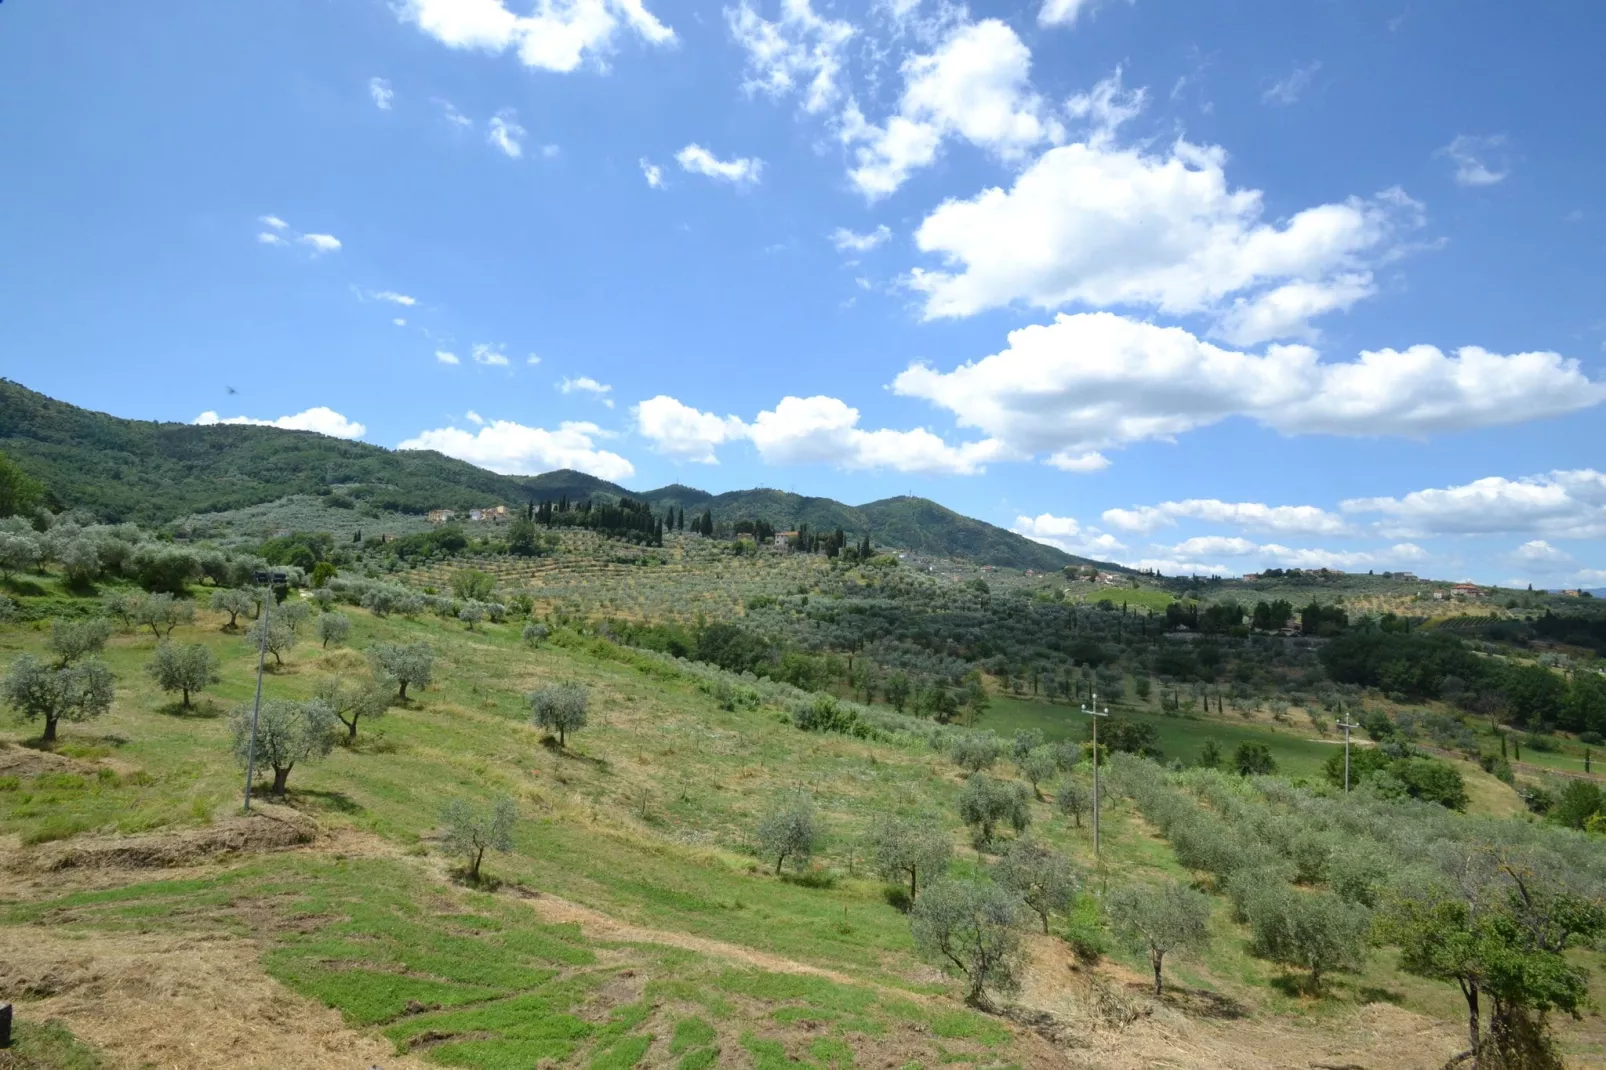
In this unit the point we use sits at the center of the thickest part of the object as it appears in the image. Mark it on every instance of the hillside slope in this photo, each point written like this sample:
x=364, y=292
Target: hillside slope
x=152, y=472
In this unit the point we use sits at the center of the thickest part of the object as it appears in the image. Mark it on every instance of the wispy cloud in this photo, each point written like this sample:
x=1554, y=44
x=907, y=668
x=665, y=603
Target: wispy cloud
x=1479, y=161
x=741, y=171
x=505, y=133
x=846, y=240
x=587, y=385
x=1288, y=89
x=490, y=355
x=446, y=357
x=379, y=89
x=652, y=173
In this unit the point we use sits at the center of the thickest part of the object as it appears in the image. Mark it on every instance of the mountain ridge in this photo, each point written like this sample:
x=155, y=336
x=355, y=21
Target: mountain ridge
x=155, y=472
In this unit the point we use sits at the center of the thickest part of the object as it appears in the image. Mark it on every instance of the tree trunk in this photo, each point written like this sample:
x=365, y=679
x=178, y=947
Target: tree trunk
x=186, y=693
x=50, y=729
x=351, y=727
x=1157, y=960
x=561, y=741
x=280, y=775
x=474, y=869
x=1471, y=992
x=403, y=695
x=1044, y=916
x=778, y=862
x=913, y=873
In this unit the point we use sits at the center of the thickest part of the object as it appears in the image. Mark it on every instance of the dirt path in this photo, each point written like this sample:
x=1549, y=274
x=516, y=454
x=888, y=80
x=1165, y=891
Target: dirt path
x=599, y=926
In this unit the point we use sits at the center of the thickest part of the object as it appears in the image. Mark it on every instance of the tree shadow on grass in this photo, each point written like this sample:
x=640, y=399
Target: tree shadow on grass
x=551, y=743
x=1198, y=1003
x=1374, y=994
x=67, y=744
x=198, y=711
x=26, y=588
x=337, y=801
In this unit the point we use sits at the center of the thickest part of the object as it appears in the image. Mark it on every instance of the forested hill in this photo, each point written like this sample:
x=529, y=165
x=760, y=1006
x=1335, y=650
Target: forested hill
x=154, y=472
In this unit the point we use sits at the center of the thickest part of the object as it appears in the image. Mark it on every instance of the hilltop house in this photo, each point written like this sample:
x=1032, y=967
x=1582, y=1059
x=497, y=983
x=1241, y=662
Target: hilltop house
x=496, y=512
x=1467, y=590
x=440, y=516
x=783, y=540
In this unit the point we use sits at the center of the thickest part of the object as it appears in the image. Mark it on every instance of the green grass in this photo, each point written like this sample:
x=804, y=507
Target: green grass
x=46, y=1046
x=1294, y=749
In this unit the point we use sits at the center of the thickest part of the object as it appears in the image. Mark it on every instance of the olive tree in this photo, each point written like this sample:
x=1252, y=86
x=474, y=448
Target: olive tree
x=185, y=668
x=409, y=664
x=975, y=926
x=161, y=613
x=332, y=628
x=788, y=830
x=534, y=633
x=471, y=614
x=287, y=732
x=1158, y=921
x=18, y=553
x=470, y=831
x=352, y=700
x=471, y=584
x=233, y=601
x=79, y=692
x=73, y=641
x=909, y=850
x=272, y=634
x=1316, y=931
x=293, y=613
x=975, y=751
x=985, y=803
x=1026, y=740
x=1038, y=766
x=560, y=708
x=1040, y=877
x=1074, y=799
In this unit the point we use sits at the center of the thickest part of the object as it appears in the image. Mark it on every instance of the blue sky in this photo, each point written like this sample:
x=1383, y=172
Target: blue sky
x=1204, y=287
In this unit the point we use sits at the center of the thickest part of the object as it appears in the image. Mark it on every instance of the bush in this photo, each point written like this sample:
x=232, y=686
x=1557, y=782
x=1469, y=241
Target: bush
x=534, y=634
x=974, y=926
x=332, y=628
x=1253, y=758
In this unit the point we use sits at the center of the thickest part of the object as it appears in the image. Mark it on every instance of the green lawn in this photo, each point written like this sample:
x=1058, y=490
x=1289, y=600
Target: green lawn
x=1295, y=750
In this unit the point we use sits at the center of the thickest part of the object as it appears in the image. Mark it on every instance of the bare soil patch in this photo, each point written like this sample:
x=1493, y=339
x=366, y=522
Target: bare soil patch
x=266, y=828
x=165, y=1000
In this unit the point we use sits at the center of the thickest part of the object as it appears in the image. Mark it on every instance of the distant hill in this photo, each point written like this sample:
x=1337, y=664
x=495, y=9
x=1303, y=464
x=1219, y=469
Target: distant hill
x=157, y=472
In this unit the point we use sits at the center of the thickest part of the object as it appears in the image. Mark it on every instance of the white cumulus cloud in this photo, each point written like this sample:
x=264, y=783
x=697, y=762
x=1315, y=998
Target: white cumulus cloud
x=1065, y=533
x=558, y=35
x=686, y=434
x=446, y=357
x=1252, y=516
x=846, y=240
x=323, y=420
x=974, y=85
x=515, y=449
x=320, y=243
x=490, y=355
x=1091, y=381
x=740, y=171
x=1102, y=224
x=799, y=51
x=652, y=173
x=586, y=385
x=1065, y=12
x=1563, y=504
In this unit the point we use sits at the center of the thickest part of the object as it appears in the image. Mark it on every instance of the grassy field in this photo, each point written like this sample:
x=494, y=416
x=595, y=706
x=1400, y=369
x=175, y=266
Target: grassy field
x=645, y=822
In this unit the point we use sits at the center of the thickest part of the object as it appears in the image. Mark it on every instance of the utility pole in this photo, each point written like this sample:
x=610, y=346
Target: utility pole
x=266, y=580
x=1094, y=713
x=1346, y=726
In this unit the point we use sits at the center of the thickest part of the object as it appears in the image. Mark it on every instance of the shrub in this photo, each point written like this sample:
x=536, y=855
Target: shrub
x=975, y=926
x=1253, y=758
x=534, y=633
x=1074, y=799
x=1316, y=931
x=1038, y=766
